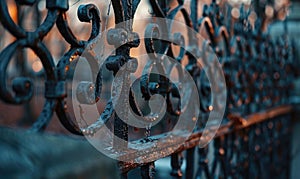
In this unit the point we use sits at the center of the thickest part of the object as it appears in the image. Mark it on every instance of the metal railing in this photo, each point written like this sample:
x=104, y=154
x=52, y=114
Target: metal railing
x=253, y=139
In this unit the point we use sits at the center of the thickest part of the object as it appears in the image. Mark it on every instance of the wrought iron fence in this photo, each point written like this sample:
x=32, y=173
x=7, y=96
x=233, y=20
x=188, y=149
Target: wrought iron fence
x=253, y=139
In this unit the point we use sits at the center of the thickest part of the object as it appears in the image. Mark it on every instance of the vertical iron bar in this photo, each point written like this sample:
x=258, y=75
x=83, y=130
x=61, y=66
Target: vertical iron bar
x=176, y=162
x=148, y=171
x=190, y=159
x=194, y=14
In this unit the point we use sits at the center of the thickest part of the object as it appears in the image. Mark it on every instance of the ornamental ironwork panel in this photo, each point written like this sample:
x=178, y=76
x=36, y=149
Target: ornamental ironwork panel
x=248, y=138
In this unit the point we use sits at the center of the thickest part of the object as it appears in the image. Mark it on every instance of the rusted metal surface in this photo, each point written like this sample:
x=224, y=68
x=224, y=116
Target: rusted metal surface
x=227, y=129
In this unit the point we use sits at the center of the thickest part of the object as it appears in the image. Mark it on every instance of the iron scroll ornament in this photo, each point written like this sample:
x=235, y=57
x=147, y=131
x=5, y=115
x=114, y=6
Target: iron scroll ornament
x=122, y=39
x=23, y=87
x=55, y=87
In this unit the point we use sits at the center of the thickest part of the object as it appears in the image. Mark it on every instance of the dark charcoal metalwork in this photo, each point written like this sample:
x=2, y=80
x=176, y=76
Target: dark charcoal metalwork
x=258, y=71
